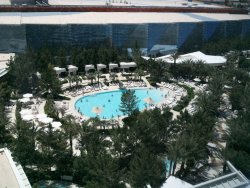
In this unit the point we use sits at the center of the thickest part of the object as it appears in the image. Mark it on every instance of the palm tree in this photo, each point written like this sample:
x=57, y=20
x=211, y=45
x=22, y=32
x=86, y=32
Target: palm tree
x=112, y=75
x=92, y=77
x=77, y=80
x=70, y=80
x=70, y=129
x=139, y=72
x=174, y=57
x=98, y=74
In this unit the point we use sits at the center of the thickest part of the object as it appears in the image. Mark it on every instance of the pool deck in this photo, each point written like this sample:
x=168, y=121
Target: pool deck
x=73, y=111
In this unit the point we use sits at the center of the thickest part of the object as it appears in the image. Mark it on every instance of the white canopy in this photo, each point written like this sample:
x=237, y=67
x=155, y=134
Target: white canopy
x=24, y=100
x=197, y=80
x=40, y=116
x=72, y=68
x=27, y=95
x=59, y=70
x=46, y=120
x=38, y=74
x=125, y=65
x=28, y=117
x=196, y=56
x=101, y=66
x=56, y=125
x=112, y=66
x=25, y=112
x=89, y=67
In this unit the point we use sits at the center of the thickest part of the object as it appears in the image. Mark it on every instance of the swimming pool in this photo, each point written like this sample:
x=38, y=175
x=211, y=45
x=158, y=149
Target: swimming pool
x=108, y=102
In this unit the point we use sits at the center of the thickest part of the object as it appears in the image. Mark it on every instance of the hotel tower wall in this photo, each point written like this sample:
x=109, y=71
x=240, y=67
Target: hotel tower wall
x=15, y=38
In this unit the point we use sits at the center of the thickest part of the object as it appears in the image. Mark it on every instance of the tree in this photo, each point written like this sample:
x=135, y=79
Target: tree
x=146, y=169
x=50, y=108
x=50, y=83
x=139, y=72
x=238, y=149
x=91, y=76
x=159, y=70
x=25, y=133
x=5, y=92
x=20, y=69
x=69, y=127
x=103, y=171
x=5, y=134
x=53, y=150
x=174, y=57
x=98, y=74
x=129, y=102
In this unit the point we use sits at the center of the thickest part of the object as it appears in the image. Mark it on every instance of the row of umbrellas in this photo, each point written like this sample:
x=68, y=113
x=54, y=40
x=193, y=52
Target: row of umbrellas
x=27, y=115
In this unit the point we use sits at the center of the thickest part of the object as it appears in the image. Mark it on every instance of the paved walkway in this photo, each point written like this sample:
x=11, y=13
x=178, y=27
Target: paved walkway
x=146, y=81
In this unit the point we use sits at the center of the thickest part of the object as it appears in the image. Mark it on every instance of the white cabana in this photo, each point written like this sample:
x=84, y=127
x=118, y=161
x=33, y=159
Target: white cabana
x=100, y=67
x=56, y=125
x=24, y=100
x=195, y=56
x=89, y=67
x=38, y=74
x=25, y=112
x=112, y=66
x=197, y=79
x=124, y=65
x=59, y=70
x=27, y=95
x=72, y=68
x=28, y=117
x=41, y=115
x=46, y=120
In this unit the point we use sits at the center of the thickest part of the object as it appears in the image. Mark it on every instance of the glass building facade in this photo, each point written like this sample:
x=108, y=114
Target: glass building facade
x=15, y=38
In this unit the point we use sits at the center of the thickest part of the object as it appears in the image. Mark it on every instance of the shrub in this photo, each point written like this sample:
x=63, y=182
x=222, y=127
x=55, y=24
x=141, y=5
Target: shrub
x=184, y=101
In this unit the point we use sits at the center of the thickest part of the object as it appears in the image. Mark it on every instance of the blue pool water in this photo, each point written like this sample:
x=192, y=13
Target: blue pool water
x=109, y=102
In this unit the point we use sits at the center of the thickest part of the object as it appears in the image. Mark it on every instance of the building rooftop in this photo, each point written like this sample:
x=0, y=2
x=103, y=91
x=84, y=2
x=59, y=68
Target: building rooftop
x=235, y=179
x=4, y=59
x=11, y=174
x=171, y=3
x=57, y=18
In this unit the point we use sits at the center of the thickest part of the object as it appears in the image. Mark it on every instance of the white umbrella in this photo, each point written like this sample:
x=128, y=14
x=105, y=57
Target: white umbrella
x=27, y=95
x=28, y=117
x=197, y=80
x=24, y=100
x=25, y=112
x=149, y=100
x=46, y=120
x=40, y=116
x=56, y=124
x=97, y=110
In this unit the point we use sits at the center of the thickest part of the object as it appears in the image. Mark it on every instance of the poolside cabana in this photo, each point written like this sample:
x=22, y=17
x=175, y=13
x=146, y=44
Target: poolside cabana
x=56, y=125
x=124, y=65
x=100, y=67
x=72, y=69
x=89, y=67
x=27, y=95
x=59, y=70
x=112, y=66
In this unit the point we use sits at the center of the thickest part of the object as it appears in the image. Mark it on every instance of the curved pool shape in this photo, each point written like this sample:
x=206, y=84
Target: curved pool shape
x=109, y=102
